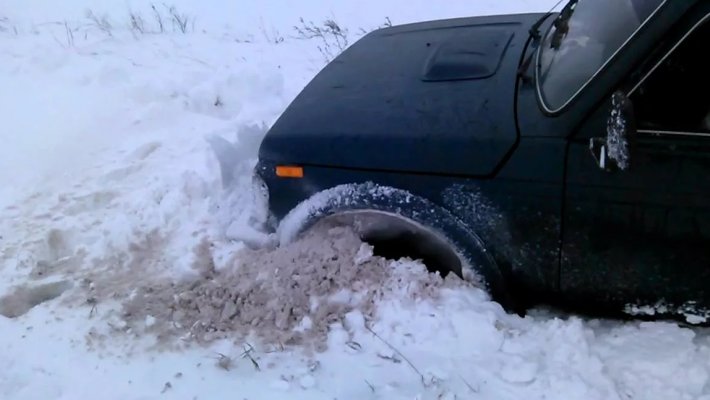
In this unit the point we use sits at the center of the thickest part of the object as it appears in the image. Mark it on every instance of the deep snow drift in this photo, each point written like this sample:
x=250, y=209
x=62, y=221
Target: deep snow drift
x=128, y=272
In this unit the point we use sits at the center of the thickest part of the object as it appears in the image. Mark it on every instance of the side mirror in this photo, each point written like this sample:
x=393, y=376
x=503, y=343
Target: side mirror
x=615, y=149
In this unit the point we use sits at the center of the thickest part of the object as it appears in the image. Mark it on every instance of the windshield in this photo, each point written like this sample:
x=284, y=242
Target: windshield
x=584, y=37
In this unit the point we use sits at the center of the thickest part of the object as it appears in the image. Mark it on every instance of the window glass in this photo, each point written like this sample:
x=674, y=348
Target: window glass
x=676, y=96
x=584, y=37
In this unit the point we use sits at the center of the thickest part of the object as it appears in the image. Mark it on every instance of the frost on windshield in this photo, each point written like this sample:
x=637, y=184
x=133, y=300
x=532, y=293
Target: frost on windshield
x=617, y=132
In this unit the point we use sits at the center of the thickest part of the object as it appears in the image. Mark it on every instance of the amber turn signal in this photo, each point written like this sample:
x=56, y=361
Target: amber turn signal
x=285, y=171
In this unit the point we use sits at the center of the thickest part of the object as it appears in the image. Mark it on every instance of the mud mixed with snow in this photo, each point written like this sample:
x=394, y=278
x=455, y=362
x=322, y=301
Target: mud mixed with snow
x=288, y=296
x=128, y=270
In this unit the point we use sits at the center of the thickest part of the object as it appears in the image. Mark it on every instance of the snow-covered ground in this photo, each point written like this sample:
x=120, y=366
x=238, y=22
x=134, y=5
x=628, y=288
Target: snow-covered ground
x=143, y=271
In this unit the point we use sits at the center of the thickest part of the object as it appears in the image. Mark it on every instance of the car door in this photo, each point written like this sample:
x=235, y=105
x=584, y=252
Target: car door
x=641, y=235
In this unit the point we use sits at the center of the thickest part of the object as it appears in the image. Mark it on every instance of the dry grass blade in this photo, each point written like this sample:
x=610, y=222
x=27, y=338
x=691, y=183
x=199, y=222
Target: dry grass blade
x=247, y=354
x=158, y=18
x=93, y=302
x=137, y=23
x=180, y=21
x=474, y=390
x=392, y=358
x=354, y=345
x=400, y=354
x=334, y=39
x=102, y=23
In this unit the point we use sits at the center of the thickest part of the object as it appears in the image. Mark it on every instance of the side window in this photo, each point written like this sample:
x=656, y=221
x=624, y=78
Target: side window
x=675, y=97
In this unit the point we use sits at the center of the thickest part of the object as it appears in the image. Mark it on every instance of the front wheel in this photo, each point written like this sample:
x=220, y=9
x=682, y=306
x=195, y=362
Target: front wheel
x=398, y=224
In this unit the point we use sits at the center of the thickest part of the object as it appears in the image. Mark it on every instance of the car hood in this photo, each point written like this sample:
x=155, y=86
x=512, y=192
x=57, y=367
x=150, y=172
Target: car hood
x=433, y=97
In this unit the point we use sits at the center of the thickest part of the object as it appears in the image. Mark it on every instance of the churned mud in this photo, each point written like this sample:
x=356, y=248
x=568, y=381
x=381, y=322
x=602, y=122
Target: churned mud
x=23, y=298
x=286, y=296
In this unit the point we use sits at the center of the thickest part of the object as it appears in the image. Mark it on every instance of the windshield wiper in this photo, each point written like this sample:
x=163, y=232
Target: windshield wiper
x=534, y=30
x=534, y=33
x=562, y=24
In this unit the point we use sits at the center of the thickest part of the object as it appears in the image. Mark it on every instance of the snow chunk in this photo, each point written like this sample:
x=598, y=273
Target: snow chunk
x=617, y=132
x=364, y=253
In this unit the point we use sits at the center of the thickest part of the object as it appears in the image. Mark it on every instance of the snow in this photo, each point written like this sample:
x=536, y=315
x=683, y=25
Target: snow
x=112, y=194
x=617, y=132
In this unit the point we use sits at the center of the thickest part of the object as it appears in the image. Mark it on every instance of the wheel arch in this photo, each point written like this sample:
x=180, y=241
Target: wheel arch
x=364, y=203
